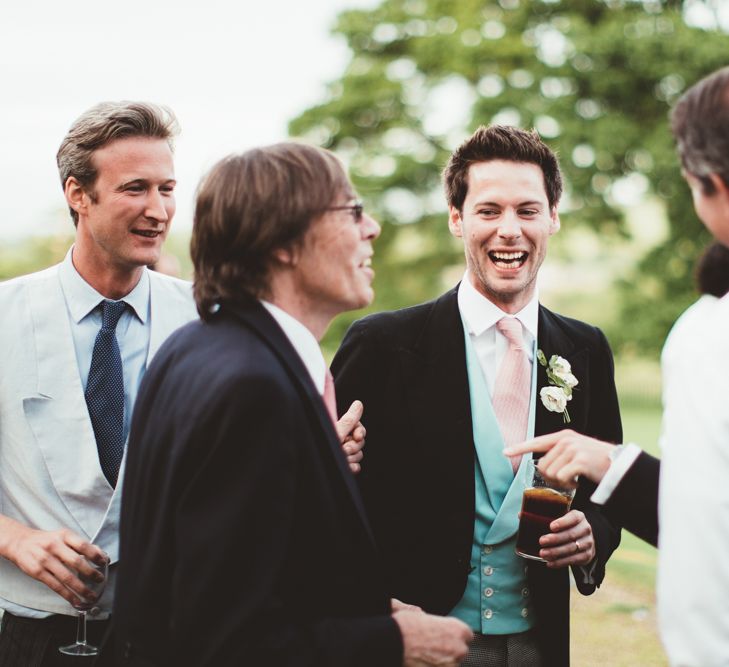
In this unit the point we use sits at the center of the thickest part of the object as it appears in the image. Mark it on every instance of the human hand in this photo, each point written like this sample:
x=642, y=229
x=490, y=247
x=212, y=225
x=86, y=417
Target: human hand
x=397, y=605
x=56, y=558
x=570, y=543
x=568, y=456
x=432, y=640
x=351, y=434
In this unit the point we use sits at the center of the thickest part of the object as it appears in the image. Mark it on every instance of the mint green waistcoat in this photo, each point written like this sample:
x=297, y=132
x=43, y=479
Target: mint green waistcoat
x=497, y=599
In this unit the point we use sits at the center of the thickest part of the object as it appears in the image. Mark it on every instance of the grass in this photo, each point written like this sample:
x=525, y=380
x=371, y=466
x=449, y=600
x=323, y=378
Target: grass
x=616, y=626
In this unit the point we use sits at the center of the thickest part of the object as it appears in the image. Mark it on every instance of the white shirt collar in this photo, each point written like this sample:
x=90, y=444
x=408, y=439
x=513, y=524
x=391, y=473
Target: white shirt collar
x=82, y=298
x=480, y=314
x=304, y=343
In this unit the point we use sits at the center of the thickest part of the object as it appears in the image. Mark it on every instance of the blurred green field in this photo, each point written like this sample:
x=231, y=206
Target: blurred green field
x=616, y=626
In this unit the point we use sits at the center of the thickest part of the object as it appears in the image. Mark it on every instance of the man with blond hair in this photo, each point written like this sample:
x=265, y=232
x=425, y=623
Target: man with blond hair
x=75, y=341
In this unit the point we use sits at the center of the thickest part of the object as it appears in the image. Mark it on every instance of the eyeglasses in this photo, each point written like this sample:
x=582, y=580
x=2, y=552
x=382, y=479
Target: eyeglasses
x=356, y=209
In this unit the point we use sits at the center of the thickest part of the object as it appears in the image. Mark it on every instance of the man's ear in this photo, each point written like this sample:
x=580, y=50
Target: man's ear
x=455, y=222
x=286, y=256
x=554, y=222
x=76, y=195
x=719, y=185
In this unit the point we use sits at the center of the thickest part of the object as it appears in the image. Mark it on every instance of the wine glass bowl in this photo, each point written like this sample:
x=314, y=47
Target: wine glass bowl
x=96, y=587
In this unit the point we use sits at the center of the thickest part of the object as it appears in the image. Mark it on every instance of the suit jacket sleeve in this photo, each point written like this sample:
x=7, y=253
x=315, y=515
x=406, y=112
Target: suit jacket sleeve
x=245, y=477
x=603, y=422
x=634, y=502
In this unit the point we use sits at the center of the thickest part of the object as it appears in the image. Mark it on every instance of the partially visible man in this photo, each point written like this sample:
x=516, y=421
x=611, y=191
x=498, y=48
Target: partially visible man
x=243, y=536
x=446, y=383
x=74, y=343
x=692, y=502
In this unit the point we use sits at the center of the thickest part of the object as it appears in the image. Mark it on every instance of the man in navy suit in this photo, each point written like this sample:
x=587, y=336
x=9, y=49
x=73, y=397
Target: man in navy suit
x=243, y=536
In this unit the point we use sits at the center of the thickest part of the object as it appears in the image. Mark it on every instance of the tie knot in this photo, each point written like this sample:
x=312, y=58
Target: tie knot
x=511, y=328
x=111, y=311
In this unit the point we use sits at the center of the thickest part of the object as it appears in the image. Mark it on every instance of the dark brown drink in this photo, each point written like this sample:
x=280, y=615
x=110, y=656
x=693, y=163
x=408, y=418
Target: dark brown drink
x=539, y=507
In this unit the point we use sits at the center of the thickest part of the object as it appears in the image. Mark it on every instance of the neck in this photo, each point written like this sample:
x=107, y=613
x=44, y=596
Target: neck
x=287, y=297
x=315, y=322
x=111, y=282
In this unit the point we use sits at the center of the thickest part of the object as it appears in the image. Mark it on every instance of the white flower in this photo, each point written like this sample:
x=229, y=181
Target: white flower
x=554, y=399
x=559, y=365
x=569, y=380
x=561, y=382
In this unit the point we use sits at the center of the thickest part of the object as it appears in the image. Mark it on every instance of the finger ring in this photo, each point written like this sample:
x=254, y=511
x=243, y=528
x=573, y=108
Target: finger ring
x=577, y=544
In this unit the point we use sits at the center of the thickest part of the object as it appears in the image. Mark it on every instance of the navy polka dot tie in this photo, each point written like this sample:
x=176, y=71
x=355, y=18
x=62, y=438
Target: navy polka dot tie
x=105, y=392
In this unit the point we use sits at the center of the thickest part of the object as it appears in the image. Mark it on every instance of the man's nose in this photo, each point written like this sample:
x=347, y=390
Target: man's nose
x=370, y=227
x=510, y=226
x=157, y=207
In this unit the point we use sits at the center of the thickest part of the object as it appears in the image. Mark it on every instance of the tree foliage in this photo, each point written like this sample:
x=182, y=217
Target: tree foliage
x=595, y=77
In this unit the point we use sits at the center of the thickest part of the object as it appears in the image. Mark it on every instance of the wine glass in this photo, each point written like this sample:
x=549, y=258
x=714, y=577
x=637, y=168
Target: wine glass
x=81, y=647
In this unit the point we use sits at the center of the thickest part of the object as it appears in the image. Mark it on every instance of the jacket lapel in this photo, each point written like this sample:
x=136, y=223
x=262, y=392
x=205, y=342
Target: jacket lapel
x=57, y=413
x=268, y=330
x=438, y=400
x=553, y=339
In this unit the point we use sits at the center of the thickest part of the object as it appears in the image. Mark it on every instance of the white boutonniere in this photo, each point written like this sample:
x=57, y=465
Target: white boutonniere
x=562, y=382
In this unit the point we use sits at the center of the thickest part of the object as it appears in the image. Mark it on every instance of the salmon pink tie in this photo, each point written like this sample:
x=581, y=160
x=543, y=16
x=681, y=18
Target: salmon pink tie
x=513, y=387
x=330, y=399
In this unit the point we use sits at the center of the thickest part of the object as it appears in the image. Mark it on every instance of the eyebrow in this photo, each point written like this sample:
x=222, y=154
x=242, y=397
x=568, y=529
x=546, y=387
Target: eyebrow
x=144, y=181
x=529, y=202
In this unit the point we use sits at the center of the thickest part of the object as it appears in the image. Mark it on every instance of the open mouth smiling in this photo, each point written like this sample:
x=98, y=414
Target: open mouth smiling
x=508, y=260
x=147, y=233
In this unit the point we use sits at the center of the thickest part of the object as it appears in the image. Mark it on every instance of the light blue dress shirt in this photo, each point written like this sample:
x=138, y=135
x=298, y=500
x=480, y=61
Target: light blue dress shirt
x=132, y=330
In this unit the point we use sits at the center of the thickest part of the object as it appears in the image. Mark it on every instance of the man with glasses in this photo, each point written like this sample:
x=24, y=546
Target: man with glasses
x=243, y=535
x=75, y=341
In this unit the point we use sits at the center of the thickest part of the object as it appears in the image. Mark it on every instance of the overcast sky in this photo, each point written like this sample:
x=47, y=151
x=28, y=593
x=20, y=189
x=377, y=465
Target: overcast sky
x=234, y=73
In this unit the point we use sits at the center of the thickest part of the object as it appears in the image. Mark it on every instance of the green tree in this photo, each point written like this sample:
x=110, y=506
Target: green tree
x=595, y=77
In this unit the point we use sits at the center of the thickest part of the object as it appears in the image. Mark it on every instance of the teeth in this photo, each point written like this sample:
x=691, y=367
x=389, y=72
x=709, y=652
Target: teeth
x=367, y=262
x=507, y=256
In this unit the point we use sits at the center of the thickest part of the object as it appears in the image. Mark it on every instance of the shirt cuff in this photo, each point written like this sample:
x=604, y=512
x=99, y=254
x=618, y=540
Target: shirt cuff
x=618, y=467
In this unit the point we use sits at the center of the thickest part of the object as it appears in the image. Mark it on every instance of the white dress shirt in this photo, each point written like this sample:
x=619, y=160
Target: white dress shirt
x=303, y=341
x=693, y=541
x=481, y=316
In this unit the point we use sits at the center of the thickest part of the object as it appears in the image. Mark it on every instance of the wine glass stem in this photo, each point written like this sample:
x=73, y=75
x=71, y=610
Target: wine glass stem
x=81, y=628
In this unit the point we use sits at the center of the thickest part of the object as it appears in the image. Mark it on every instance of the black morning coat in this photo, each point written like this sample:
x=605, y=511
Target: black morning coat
x=243, y=536
x=409, y=369
x=634, y=502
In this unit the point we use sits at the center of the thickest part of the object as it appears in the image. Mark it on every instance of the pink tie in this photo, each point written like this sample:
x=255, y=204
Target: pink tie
x=513, y=387
x=330, y=399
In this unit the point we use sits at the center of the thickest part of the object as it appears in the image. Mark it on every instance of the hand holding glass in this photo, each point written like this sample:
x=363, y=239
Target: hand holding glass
x=81, y=647
x=541, y=504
